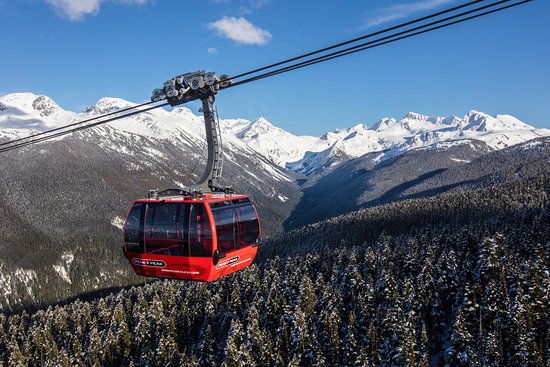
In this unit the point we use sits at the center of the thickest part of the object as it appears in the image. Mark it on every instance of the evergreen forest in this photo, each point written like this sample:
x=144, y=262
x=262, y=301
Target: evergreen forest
x=459, y=279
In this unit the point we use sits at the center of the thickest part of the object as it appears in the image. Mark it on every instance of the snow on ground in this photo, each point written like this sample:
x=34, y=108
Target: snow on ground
x=117, y=222
x=64, y=268
x=460, y=160
x=63, y=273
x=9, y=281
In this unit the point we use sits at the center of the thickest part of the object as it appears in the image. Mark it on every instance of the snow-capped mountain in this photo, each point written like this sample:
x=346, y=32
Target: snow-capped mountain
x=23, y=113
x=304, y=154
x=280, y=146
x=390, y=137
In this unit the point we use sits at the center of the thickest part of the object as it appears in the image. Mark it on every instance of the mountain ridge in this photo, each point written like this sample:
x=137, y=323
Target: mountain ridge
x=303, y=154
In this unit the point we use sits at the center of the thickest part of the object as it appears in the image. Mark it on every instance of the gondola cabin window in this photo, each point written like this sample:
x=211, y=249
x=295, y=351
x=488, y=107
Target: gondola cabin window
x=200, y=235
x=132, y=238
x=249, y=225
x=236, y=226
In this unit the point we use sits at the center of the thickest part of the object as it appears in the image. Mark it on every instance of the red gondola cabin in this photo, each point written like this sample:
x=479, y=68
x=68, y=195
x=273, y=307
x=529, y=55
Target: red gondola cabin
x=202, y=238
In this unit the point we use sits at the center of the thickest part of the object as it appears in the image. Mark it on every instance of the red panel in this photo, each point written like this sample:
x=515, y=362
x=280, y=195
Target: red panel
x=190, y=268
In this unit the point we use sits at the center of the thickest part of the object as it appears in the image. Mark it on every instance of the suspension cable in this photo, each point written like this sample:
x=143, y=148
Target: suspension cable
x=387, y=39
x=74, y=124
x=79, y=128
x=370, y=35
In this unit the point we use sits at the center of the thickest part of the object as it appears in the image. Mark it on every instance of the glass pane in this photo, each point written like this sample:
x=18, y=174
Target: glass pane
x=248, y=225
x=131, y=231
x=132, y=224
x=225, y=228
x=200, y=235
x=183, y=230
x=161, y=228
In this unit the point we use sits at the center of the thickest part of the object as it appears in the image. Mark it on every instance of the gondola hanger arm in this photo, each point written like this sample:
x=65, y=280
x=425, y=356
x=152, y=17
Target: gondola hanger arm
x=204, y=86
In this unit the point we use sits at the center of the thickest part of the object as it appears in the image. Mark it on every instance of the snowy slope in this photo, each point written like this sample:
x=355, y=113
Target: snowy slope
x=31, y=111
x=307, y=154
x=22, y=112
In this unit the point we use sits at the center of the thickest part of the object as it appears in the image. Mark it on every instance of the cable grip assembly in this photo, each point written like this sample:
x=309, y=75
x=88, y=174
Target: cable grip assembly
x=190, y=86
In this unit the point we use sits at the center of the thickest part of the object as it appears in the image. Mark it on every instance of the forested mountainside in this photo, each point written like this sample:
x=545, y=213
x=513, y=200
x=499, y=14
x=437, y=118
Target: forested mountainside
x=366, y=182
x=63, y=204
x=459, y=279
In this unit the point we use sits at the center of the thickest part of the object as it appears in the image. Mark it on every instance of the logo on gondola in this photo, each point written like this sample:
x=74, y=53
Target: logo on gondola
x=146, y=262
x=223, y=264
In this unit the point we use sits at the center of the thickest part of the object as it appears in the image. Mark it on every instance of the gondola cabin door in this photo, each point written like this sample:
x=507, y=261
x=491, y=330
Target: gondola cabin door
x=197, y=239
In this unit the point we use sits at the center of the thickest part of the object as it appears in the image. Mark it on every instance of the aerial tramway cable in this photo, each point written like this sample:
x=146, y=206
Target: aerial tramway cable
x=421, y=29
x=44, y=138
x=385, y=40
x=370, y=35
x=75, y=124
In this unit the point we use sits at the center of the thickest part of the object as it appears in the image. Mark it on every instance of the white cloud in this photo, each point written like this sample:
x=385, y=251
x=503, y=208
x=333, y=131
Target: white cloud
x=241, y=31
x=212, y=51
x=400, y=11
x=76, y=9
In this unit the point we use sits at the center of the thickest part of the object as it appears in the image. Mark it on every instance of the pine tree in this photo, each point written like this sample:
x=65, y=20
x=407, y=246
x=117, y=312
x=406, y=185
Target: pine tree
x=76, y=354
x=490, y=282
x=362, y=360
x=16, y=357
x=350, y=352
x=167, y=353
x=300, y=337
x=493, y=353
x=391, y=334
x=307, y=299
x=282, y=342
x=3, y=340
x=525, y=351
x=206, y=347
x=424, y=348
x=463, y=350
x=121, y=339
x=232, y=351
x=255, y=339
x=295, y=361
x=373, y=347
x=408, y=350
x=331, y=331
x=537, y=302
x=63, y=359
x=94, y=349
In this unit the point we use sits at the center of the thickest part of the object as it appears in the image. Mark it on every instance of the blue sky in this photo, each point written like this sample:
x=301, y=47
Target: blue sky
x=77, y=51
